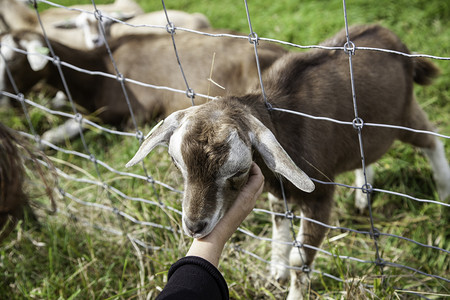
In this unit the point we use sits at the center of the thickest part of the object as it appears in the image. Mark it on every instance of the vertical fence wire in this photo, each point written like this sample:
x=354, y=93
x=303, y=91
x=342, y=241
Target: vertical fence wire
x=358, y=123
x=253, y=39
x=171, y=29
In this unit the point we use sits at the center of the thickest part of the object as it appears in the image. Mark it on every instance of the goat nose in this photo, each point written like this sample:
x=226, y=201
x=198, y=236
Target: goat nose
x=196, y=227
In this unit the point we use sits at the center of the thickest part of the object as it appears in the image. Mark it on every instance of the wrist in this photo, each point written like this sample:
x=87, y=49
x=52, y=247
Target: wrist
x=208, y=249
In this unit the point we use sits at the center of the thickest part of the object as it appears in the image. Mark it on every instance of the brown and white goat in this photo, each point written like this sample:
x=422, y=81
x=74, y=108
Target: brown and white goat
x=214, y=144
x=146, y=58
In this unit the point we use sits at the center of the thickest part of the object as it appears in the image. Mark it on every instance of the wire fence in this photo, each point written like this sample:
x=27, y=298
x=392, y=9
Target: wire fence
x=117, y=209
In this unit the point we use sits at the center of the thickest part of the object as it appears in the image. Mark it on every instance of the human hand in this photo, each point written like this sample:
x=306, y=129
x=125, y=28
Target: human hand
x=210, y=247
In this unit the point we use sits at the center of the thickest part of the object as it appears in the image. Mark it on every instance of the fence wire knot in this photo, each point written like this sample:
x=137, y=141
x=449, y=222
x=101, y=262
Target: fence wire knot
x=269, y=106
x=367, y=188
x=289, y=215
x=349, y=48
x=358, y=123
x=150, y=179
x=56, y=60
x=306, y=269
x=92, y=158
x=170, y=28
x=297, y=244
x=21, y=97
x=120, y=77
x=380, y=262
x=78, y=118
x=375, y=234
x=190, y=93
x=139, y=135
x=253, y=38
x=98, y=15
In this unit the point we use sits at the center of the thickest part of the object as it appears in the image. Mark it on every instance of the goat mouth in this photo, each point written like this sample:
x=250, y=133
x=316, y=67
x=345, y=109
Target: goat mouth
x=199, y=229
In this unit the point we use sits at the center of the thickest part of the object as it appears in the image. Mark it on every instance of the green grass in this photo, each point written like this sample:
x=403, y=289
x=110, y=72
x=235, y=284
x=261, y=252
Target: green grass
x=68, y=258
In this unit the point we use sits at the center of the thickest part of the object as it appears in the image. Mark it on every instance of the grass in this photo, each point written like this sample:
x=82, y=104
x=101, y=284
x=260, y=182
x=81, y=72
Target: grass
x=68, y=257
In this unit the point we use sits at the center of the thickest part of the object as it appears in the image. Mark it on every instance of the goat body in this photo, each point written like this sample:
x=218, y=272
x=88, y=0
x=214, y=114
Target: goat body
x=147, y=58
x=194, y=21
x=135, y=24
x=212, y=144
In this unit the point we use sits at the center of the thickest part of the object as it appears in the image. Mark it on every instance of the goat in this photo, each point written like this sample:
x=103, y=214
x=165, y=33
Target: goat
x=135, y=25
x=14, y=201
x=213, y=144
x=16, y=15
x=144, y=58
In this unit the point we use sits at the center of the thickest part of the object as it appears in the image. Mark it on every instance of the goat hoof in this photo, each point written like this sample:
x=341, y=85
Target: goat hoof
x=444, y=194
x=361, y=202
x=279, y=273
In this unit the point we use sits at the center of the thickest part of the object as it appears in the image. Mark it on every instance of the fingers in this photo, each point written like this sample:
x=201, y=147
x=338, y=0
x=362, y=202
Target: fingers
x=240, y=209
x=255, y=180
x=253, y=188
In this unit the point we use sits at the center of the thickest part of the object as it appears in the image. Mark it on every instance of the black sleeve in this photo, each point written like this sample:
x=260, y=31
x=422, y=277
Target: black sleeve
x=193, y=277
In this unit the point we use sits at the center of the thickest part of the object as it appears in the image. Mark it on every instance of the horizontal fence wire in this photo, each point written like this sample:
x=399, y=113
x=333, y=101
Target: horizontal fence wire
x=102, y=167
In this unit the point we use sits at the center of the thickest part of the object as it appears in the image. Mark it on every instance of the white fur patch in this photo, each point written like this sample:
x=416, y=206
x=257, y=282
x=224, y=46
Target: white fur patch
x=175, y=147
x=297, y=257
x=68, y=130
x=6, y=54
x=299, y=279
x=35, y=57
x=280, y=252
x=441, y=169
x=239, y=157
x=361, y=201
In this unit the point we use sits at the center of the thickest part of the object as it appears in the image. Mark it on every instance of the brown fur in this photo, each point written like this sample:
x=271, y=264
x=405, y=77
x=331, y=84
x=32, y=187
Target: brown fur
x=317, y=82
x=14, y=200
x=151, y=59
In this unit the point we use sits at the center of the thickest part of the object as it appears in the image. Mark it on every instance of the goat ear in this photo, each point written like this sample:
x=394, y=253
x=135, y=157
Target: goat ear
x=121, y=16
x=37, y=62
x=160, y=134
x=276, y=157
